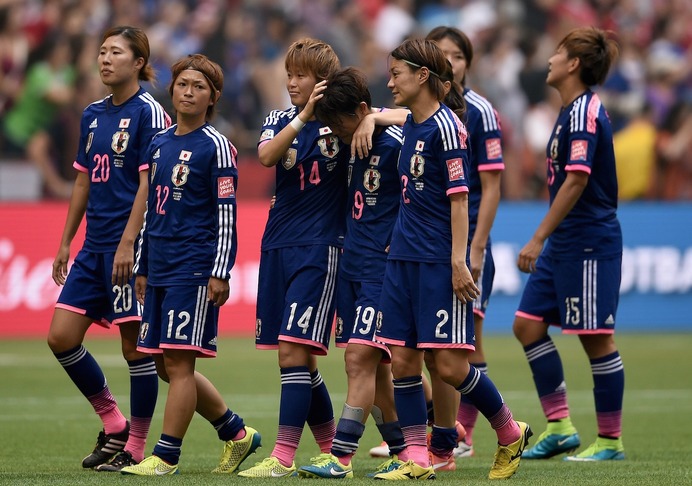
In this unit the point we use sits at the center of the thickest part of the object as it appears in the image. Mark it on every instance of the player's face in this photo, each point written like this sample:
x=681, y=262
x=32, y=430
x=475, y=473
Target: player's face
x=559, y=66
x=403, y=82
x=192, y=94
x=300, y=85
x=455, y=57
x=116, y=61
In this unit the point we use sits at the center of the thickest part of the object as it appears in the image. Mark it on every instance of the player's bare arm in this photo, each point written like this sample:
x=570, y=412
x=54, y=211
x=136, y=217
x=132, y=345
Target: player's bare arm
x=271, y=151
x=361, y=143
x=564, y=201
x=124, y=258
x=218, y=290
x=490, y=200
x=75, y=213
x=462, y=281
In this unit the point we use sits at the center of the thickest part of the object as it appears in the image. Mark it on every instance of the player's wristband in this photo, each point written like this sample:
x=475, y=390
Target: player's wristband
x=297, y=124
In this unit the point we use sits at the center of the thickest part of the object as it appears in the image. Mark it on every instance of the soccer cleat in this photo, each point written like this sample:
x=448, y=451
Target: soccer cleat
x=408, y=470
x=549, y=445
x=381, y=450
x=120, y=460
x=389, y=465
x=464, y=450
x=235, y=452
x=507, y=457
x=601, y=450
x=442, y=464
x=151, y=466
x=326, y=466
x=107, y=445
x=268, y=468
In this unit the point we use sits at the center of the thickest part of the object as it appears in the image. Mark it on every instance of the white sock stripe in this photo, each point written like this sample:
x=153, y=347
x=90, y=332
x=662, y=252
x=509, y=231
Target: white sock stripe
x=73, y=358
x=612, y=366
x=408, y=384
x=474, y=382
x=541, y=350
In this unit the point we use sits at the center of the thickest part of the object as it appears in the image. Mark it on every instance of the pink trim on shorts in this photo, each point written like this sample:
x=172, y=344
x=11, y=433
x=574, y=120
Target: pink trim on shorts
x=588, y=331
x=201, y=352
x=372, y=344
x=82, y=312
x=530, y=317
x=317, y=348
x=393, y=342
x=127, y=319
x=470, y=347
x=267, y=346
x=142, y=349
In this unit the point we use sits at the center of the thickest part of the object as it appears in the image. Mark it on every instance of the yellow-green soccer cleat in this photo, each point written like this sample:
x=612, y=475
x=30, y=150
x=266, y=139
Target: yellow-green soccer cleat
x=326, y=466
x=601, y=450
x=389, y=465
x=269, y=468
x=408, y=470
x=151, y=466
x=507, y=457
x=235, y=452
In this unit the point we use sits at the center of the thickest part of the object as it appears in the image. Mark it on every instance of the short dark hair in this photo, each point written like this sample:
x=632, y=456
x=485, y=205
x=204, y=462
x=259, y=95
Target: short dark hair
x=346, y=90
x=596, y=51
x=211, y=71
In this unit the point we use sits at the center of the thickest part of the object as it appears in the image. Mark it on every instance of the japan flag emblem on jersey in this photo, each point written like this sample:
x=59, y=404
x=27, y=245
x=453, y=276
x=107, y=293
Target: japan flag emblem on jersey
x=119, y=142
x=180, y=173
x=124, y=123
x=185, y=155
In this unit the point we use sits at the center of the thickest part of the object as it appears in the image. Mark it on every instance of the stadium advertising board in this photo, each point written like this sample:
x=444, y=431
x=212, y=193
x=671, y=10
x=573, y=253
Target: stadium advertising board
x=656, y=290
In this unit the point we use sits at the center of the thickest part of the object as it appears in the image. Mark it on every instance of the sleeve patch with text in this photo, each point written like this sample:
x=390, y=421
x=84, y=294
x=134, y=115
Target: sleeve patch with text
x=578, y=150
x=455, y=169
x=226, y=187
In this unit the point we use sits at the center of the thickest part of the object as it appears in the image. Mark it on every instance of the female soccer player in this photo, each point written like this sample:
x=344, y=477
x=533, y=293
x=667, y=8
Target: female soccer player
x=575, y=278
x=374, y=203
x=188, y=248
x=300, y=253
x=428, y=288
x=485, y=167
x=111, y=188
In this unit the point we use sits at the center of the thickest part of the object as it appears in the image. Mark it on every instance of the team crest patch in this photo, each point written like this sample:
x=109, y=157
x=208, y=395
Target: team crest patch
x=119, y=142
x=493, y=148
x=455, y=169
x=290, y=158
x=417, y=167
x=226, y=188
x=371, y=180
x=90, y=140
x=180, y=173
x=143, y=330
x=578, y=150
x=339, y=330
x=329, y=145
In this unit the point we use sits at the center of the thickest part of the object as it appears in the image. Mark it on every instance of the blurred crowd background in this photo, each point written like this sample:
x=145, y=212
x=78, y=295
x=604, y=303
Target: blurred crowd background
x=48, y=73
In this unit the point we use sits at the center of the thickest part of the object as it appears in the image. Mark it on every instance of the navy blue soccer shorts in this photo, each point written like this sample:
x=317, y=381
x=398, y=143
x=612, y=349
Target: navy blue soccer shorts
x=296, y=296
x=179, y=317
x=356, y=315
x=581, y=296
x=418, y=308
x=88, y=291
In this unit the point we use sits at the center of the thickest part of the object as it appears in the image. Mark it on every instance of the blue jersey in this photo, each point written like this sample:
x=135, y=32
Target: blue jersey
x=310, y=204
x=190, y=230
x=582, y=140
x=374, y=197
x=485, y=148
x=432, y=165
x=112, y=145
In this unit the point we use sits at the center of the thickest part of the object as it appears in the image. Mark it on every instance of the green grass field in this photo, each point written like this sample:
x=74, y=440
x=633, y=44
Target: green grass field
x=47, y=427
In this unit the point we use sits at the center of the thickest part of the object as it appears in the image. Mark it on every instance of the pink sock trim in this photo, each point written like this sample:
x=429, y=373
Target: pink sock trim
x=284, y=453
x=136, y=442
